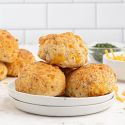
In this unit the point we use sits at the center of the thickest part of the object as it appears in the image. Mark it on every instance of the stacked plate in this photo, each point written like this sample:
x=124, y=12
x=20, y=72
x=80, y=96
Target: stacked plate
x=59, y=106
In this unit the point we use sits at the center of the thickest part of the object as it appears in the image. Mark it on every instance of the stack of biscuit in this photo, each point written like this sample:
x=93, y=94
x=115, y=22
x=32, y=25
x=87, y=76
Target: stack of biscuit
x=12, y=59
x=65, y=70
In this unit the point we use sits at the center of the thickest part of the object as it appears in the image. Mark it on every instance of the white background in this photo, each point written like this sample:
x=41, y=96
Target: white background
x=94, y=20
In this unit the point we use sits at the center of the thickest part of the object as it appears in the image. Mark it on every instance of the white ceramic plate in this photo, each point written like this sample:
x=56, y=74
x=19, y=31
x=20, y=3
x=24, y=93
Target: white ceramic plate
x=62, y=111
x=56, y=101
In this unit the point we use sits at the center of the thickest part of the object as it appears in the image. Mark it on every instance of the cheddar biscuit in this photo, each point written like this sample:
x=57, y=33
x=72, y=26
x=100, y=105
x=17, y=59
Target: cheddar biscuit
x=41, y=79
x=24, y=57
x=3, y=71
x=8, y=47
x=91, y=80
x=65, y=50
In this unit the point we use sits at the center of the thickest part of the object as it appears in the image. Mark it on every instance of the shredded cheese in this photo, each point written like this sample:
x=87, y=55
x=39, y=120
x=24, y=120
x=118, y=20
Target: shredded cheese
x=58, y=59
x=75, y=57
x=123, y=93
x=117, y=95
x=107, y=54
x=120, y=57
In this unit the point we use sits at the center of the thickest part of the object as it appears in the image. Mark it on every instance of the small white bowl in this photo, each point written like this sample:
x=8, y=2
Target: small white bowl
x=62, y=111
x=117, y=66
x=56, y=101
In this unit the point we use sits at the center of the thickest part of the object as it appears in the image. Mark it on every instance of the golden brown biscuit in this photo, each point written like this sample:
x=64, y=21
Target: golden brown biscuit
x=41, y=79
x=24, y=57
x=3, y=71
x=65, y=50
x=91, y=80
x=8, y=47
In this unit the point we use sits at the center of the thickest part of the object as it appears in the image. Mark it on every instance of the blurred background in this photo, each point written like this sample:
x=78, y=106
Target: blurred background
x=94, y=20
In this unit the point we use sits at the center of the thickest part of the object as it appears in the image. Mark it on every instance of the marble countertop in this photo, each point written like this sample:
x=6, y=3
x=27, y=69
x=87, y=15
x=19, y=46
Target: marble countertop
x=10, y=115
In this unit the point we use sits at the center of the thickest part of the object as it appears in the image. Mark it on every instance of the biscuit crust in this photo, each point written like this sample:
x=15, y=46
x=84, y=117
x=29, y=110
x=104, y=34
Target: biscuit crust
x=8, y=47
x=3, y=71
x=91, y=80
x=24, y=57
x=65, y=50
x=41, y=79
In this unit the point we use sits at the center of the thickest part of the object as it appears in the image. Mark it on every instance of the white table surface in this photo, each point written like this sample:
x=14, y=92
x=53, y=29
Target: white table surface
x=9, y=115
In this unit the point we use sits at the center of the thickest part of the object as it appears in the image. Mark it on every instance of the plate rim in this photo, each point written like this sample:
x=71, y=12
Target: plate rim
x=62, y=106
x=62, y=111
x=51, y=97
